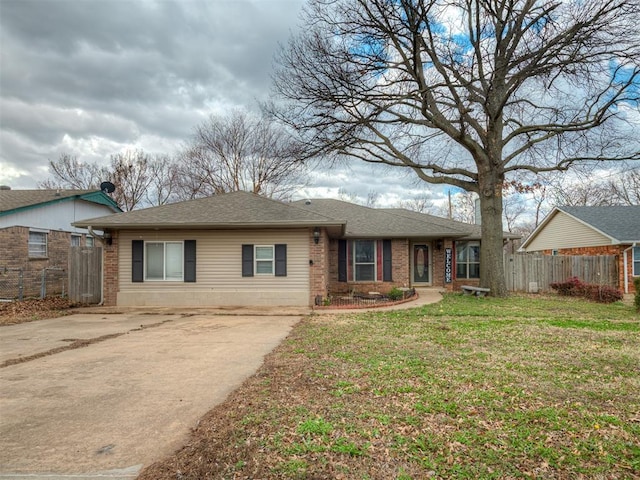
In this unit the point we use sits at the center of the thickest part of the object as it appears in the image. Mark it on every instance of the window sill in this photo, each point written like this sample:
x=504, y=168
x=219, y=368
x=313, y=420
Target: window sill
x=159, y=280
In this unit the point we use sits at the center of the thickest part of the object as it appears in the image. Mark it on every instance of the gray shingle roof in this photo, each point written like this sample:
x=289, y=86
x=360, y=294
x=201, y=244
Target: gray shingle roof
x=231, y=210
x=247, y=210
x=14, y=200
x=378, y=222
x=621, y=223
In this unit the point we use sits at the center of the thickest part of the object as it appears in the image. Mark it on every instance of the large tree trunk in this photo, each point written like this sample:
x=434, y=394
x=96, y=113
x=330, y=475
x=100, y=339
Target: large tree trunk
x=491, y=253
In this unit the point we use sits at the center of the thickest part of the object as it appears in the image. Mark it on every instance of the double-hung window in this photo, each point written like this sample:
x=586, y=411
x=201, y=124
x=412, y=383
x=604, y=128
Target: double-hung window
x=37, y=244
x=364, y=260
x=636, y=261
x=164, y=261
x=467, y=260
x=264, y=258
x=75, y=240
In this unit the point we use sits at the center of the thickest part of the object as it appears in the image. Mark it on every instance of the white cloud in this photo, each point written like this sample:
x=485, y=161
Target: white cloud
x=94, y=78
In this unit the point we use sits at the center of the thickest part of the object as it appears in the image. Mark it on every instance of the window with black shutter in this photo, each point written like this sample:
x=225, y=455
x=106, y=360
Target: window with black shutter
x=386, y=261
x=342, y=260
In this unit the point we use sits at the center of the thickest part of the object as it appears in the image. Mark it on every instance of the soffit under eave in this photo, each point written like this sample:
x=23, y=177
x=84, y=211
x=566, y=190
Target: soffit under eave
x=246, y=226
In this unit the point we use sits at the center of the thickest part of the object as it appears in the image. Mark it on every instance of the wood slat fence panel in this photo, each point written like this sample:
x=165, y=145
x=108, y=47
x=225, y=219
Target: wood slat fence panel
x=85, y=274
x=522, y=271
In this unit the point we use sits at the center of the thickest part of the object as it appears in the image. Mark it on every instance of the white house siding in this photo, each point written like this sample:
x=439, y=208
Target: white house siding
x=219, y=280
x=56, y=216
x=562, y=231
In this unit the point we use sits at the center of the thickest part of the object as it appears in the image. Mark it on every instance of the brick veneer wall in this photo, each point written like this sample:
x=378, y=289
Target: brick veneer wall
x=14, y=254
x=617, y=250
x=399, y=270
x=110, y=271
x=318, y=266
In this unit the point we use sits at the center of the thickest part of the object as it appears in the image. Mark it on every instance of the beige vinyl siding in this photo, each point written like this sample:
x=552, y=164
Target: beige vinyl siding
x=563, y=231
x=219, y=279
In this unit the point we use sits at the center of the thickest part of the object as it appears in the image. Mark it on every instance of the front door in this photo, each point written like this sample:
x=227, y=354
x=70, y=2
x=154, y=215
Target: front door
x=421, y=263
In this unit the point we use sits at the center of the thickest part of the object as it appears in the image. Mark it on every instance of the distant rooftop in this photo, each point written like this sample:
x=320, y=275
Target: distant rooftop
x=15, y=200
x=619, y=222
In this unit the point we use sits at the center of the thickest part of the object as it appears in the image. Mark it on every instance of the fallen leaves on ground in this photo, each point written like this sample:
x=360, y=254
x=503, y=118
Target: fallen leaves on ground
x=31, y=309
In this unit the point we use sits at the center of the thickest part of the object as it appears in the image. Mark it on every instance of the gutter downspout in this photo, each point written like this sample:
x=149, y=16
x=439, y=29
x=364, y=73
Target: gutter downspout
x=98, y=237
x=626, y=274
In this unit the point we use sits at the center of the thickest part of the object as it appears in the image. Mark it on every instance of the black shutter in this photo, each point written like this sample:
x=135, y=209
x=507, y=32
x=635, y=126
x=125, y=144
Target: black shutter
x=189, y=260
x=247, y=260
x=386, y=261
x=281, y=260
x=137, y=261
x=342, y=260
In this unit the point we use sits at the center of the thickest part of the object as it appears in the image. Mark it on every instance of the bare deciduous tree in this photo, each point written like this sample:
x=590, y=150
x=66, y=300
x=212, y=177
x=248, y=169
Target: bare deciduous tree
x=626, y=188
x=164, y=184
x=466, y=92
x=130, y=173
x=241, y=152
x=420, y=204
x=141, y=180
x=69, y=172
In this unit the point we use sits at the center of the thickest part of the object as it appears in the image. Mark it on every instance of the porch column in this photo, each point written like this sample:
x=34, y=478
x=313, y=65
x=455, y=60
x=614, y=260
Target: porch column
x=318, y=266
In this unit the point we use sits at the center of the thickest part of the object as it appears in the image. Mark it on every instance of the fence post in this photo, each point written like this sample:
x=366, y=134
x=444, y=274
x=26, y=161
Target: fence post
x=20, y=284
x=43, y=284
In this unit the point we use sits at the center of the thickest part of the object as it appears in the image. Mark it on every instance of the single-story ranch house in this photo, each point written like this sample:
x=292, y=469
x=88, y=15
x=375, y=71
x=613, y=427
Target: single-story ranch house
x=592, y=230
x=243, y=249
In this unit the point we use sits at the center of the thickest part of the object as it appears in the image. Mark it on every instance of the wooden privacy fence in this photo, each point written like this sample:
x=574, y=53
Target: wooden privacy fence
x=85, y=274
x=527, y=272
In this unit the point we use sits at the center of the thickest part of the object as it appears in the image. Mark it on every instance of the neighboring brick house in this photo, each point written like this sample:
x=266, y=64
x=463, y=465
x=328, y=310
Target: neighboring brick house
x=242, y=249
x=611, y=230
x=36, y=233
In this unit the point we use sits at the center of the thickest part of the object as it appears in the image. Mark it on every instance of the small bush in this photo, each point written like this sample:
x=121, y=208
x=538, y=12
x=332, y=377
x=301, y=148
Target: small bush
x=636, y=300
x=603, y=294
x=395, y=294
x=571, y=287
x=574, y=287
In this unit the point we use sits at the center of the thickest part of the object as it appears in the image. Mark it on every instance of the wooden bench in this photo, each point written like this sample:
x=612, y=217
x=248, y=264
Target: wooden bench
x=477, y=291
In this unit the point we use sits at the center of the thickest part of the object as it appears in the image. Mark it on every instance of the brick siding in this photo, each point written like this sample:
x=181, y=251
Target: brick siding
x=318, y=266
x=110, y=271
x=400, y=271
x=14, y=256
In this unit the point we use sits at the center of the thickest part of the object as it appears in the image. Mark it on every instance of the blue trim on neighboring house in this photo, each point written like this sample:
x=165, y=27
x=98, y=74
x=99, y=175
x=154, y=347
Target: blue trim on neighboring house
x=100, y=198
x=97, y=197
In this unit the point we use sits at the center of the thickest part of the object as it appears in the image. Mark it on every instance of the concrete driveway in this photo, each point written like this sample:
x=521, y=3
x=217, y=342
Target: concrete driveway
x=106, y=409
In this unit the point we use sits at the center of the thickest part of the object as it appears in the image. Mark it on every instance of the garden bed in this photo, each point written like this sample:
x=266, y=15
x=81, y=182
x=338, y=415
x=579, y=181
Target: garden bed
x=364, y=300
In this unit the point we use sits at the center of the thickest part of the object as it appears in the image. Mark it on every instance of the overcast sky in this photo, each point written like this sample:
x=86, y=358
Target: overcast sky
x=94, y=78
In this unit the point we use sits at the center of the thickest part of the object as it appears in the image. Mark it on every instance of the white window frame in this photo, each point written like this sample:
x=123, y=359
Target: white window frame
x=43, y=251
x=355, y=263
x=89, y=241
x=164, y=260
x=466, y=261
x=264, y=261
x=635, y=262
x=77, y=238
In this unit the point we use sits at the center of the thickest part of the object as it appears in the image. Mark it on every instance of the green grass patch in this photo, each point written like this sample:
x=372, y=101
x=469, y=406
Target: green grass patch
x=523, y=387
